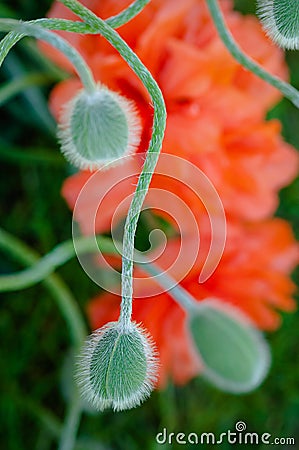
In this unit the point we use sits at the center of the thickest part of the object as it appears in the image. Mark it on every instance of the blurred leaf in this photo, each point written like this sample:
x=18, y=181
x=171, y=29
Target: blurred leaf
x=33, y=96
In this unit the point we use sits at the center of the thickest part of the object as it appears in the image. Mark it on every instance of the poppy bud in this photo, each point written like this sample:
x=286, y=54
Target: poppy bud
x=97, y=128
x=234, y=354
x=117, y=367
x=280, y=19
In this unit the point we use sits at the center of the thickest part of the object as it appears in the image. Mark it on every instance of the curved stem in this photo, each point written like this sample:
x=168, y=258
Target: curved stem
x=11, y=39
x=129, y=13
x=285, y=88
x=80, y=27
x=46, y=265
x=29, y=29
x=71, y=313
x=120, y=19
x=65, y=301
x=152, y=156
x=86, y=244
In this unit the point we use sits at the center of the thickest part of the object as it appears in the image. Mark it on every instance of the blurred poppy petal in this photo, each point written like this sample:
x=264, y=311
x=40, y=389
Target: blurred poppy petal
x=216, y=120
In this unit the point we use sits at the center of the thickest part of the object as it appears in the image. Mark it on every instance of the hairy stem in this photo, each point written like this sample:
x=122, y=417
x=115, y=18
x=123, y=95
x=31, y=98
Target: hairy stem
x=29, y=29
x=128, y=14
x=285, y=88
x=120, y=19
x=58, y=256
x=8, y=42
x=88, y=244
x=151, y=160
x=80, y=27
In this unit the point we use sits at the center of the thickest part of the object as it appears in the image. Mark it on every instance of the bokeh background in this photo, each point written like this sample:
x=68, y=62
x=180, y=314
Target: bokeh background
x=34, y=339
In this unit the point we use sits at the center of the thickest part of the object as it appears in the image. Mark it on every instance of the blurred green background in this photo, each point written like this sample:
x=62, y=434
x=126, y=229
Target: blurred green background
x=34, y=339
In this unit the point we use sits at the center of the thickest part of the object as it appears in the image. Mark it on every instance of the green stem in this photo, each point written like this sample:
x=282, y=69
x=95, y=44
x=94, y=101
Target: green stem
x=287, y=90
x=128, y=14
x=28, y=29
x=80, y=27
x=72, y=315
x=70, y=428
x=65, y=301
x=8, y=42
x=120, y=19
x=58, y=256
x=83, y=28
x=31, y=49
x=87, y=244
x=152, y=156
x=179, y=294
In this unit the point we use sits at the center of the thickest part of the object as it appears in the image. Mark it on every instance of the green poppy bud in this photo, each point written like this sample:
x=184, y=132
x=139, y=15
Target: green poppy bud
x=280, y=19
x=97, y=128
x=234, y=354
x=117, y=367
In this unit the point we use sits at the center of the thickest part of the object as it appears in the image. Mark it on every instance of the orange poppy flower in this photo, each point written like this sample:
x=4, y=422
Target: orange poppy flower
x=216, y=121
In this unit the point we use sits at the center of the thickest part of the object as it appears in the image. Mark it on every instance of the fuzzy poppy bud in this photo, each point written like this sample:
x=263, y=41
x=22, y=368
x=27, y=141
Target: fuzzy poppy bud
x=280, y=19
x=117, y=367
x=98, y=127
x=234, y=354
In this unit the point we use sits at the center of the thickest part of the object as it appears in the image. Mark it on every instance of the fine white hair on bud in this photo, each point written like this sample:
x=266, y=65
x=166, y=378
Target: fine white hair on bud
x=117, y=367
x=280, y=19
x=97, y=128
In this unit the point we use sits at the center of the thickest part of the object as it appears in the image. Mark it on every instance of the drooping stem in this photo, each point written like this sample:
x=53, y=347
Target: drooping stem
x=58, y=256
x=120, y=19
x=8, y=42
x=65, y=301
x=80, y=27
x=29, y=29
x=63, y=252
x=285, y=88
x=152, y=156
